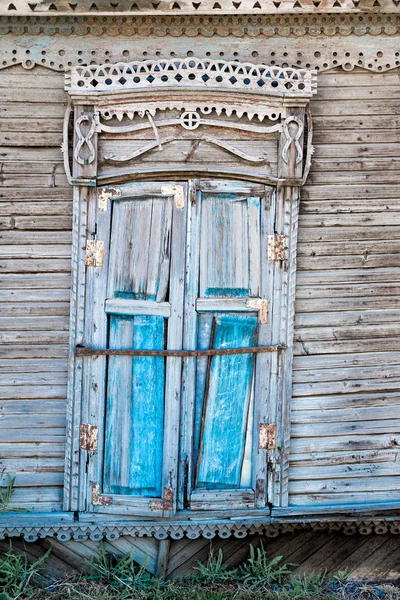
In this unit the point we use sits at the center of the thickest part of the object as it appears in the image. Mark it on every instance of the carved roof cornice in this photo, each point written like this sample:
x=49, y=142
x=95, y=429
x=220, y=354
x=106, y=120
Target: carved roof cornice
x=38, y=527
x=263, y=26
x=180, y=7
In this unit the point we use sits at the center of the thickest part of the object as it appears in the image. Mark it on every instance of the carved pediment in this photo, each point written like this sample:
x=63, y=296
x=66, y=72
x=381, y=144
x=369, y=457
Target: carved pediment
x=190, y=115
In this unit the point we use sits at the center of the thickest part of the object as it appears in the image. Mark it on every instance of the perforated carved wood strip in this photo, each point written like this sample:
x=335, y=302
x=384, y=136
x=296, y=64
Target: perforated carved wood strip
x=26, y=7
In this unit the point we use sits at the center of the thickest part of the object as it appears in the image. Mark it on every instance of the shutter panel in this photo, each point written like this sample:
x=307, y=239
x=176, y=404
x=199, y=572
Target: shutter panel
x=224, y=291
x=226, y=404
x=144, y=311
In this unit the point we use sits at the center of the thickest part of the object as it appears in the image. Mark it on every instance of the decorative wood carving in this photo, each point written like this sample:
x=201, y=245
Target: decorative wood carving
x=193, y=73
x=161, y=530
x=59, y=43
x=87, y=7
x=182, y=100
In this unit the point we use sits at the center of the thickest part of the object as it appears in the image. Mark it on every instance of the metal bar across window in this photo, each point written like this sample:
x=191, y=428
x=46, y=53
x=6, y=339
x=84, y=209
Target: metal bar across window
x=80, y=351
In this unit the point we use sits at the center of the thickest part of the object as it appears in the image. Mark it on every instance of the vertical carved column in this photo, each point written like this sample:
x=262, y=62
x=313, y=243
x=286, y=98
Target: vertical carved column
x=290, y=158
x=85, y=146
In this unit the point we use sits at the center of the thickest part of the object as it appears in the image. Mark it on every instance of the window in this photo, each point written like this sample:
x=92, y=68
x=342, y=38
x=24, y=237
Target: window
x=185, y=267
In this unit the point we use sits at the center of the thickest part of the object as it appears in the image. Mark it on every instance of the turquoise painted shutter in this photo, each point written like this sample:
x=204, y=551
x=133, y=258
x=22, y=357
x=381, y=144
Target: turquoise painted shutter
x=228, y=244
x=143, y=309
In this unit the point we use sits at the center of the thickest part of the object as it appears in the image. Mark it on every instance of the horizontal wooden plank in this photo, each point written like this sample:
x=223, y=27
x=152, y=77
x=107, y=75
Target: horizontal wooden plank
x=43, y=222
x=40, y=194
x=22, y=180
x=33, y=434
x=34, y=324
x=362, y=484
x=366, y=93
x=37, y=351
x=33, y=95
x=31, y=451
x=349, y=176
x=35, y=237
x=321, y=459
x=389, y=190
x=35, y=281
x=343, y=415
x=352, y=290
x=362, y=164
x=341, y=319
x=41, y=391
x=348, y=304
x=34, y=337
x=350, y=471
x=347, y=428
x=36, y=208
x=346, y=360
x=35, y=265
x=39, y=365
x=368, y=261
x=37, y=499
x=338, y=249
x=354, y=122
x=23, y=110
x=356, y=136
x=344, y=443
x=354, y=107
x=317, y=277
x=351, y=220
x=32, y=465
x=358, y=332
x=43, y=406
x=40, y=309
x=366, y=497
x=32, y=420
x=36, y=479
x=48, y=295
x=380, y=399
x=383, y=372
x=344, y=387
x=29, y=379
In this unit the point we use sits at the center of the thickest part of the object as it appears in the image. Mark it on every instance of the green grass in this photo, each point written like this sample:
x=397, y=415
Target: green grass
x=107, y=577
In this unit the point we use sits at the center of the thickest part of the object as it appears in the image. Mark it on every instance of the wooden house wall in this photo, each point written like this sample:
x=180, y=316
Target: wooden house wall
x=346, y=408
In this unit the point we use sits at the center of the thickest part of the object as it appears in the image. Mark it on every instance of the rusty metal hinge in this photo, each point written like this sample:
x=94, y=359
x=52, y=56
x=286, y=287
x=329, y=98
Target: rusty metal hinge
x=97, y=498
x=94, y=253
x=267, y=436
x=89, y=437
x=277, y=247
x=167, y=503
x=104, y=194
x=260, y=304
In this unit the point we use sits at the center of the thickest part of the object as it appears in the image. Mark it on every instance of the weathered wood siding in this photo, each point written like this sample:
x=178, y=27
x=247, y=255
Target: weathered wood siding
x=346, y=407
x=35, y=249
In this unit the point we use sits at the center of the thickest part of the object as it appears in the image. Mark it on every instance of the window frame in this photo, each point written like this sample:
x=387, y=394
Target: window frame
x=292, y=168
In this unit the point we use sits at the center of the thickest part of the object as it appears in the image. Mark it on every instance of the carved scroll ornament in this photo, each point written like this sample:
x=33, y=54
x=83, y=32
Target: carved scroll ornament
x=193, y=102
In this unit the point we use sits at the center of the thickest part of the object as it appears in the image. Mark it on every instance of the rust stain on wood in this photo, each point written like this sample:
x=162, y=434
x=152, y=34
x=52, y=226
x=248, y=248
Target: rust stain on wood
x=94, y=253
x=276, y=247
x=167, y=503
x=97, y=498
x=104, y=194
x=267, y=436
x=88, y=437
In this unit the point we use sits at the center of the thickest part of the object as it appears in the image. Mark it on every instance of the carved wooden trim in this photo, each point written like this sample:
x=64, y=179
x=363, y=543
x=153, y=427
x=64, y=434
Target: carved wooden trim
x=293, y=41
x=161, y=530
x=192, y=73
x=257, y=25
x=110, y=7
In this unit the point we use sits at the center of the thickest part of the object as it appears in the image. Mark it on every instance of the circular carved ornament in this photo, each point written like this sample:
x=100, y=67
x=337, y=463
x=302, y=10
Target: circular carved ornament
x=190, y=120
